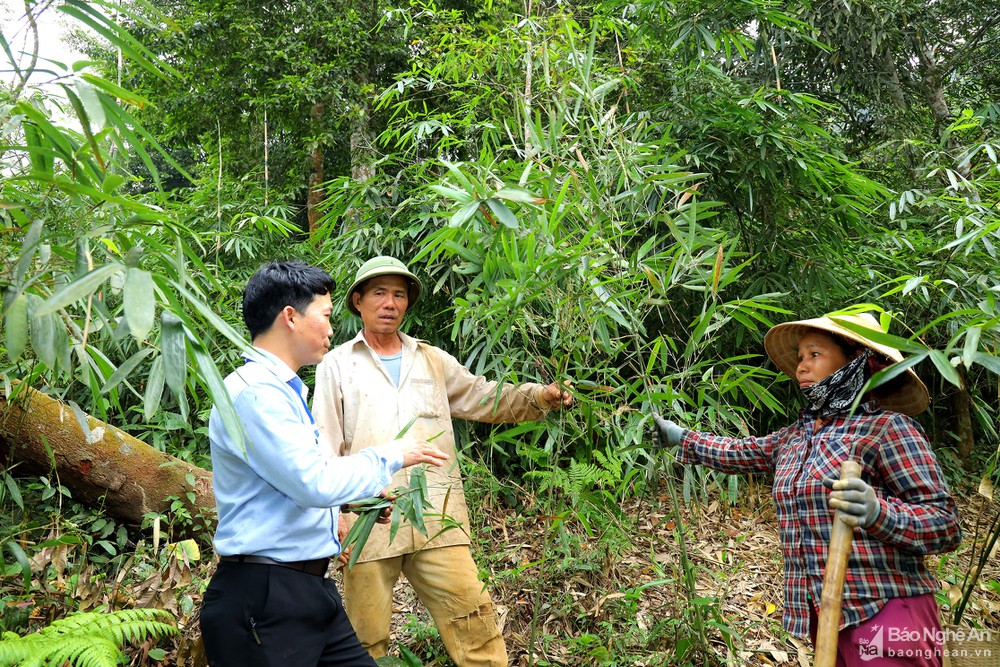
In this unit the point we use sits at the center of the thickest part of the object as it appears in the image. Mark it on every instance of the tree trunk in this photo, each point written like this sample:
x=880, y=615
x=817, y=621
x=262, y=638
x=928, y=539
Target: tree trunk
x=316, y=177
x=961, y=407
x=362, y=168
x=123, y=474
x=933, y=86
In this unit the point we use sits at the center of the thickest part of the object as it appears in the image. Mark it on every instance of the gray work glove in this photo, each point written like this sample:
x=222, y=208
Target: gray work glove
x=669, y=434
x=856, y=499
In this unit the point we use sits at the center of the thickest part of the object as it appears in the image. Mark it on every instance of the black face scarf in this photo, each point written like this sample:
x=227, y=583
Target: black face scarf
x=837, y=391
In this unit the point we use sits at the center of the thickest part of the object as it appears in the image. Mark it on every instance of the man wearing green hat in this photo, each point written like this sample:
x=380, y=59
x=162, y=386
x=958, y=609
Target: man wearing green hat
x=367, y=391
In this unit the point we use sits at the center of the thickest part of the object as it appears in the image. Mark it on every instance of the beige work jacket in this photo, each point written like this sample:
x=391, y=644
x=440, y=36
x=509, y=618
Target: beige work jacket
x=357, y=406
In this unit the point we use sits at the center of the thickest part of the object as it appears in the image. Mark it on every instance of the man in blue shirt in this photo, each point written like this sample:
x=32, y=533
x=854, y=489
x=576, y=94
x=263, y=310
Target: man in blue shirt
x=278, y=491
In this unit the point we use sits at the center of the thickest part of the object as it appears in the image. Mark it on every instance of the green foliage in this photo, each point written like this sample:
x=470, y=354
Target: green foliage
x=408, y=659
x=90, y=639
x=408, y=505
x=623, y=195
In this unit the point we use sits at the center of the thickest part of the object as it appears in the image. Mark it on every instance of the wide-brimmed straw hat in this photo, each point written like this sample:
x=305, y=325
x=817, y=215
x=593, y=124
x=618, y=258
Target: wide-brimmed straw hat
x=383, y=265
x=907, y=394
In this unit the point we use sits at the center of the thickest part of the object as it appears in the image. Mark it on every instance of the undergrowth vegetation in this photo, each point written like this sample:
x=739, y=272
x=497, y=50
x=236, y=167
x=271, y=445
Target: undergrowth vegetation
x=622, y=197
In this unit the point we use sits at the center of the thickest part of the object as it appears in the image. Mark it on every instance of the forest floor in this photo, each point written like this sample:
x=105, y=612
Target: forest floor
x=615, y=595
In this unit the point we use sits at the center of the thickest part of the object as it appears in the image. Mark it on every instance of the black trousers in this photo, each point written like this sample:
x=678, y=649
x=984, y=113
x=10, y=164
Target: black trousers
x=257, y=615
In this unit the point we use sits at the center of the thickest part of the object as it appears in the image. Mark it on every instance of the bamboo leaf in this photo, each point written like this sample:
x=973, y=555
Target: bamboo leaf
x=173, y=351
x=459, y=196
x=15, y=324
x=127, y=96
x=14, y=490
x=502, y=213
x=944, y=367
x=396, y=521
x=464, y=214
x=43, y=331
x=363, y=527
x=139, y=299
x=154, y=389
x=209, y=374
x=125, y=369
x=971, y=346
x=78, y=289
x=85, y=122
x=21, y=558
x=28, y=249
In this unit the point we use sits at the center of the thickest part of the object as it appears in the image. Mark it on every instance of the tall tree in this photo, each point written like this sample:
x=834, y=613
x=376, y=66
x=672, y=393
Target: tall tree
x=275, y=91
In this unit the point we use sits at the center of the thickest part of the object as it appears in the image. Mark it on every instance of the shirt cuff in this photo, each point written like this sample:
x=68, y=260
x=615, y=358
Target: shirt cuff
x=537, y=399
x=685, y=452
x=884, y=526
x=391, y=456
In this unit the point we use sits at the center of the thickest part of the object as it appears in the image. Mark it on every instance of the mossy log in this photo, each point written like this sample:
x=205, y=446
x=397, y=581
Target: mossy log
x=124, y=475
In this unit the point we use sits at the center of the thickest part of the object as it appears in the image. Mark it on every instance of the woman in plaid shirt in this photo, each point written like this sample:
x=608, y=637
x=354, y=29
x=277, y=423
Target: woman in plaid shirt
x=901, y=506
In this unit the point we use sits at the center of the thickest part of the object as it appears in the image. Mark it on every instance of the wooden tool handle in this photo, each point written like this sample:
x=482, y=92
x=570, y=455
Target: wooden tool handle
x=841, y=536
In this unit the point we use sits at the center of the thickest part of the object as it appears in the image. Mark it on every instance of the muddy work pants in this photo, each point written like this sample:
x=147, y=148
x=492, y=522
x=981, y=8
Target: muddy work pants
x=446, y=580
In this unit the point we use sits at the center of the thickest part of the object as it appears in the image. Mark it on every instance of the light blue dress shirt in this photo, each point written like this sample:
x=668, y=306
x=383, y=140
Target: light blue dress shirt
x=280, y=498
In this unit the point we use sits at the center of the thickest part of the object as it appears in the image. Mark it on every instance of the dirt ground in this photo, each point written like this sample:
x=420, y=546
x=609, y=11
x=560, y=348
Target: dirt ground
x=584, y=603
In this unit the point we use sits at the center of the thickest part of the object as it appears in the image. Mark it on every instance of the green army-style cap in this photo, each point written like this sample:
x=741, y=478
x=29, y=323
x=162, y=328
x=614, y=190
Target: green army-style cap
x=383, y=265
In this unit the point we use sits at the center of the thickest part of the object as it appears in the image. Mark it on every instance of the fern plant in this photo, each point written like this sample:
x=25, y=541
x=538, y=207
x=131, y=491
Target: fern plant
x=88, y=639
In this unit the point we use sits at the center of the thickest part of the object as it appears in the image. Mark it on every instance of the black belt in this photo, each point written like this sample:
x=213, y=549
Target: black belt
x=317, y=567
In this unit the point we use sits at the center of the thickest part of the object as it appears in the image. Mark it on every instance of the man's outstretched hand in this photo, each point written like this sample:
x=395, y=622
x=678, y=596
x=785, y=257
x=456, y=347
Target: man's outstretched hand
x=421, y=451
x=555, y=396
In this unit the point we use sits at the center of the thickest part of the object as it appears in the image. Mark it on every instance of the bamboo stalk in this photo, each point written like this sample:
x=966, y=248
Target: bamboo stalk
x=841, y=536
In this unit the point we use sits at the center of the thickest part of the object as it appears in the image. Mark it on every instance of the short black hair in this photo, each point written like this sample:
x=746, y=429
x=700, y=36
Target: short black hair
x=279, y=284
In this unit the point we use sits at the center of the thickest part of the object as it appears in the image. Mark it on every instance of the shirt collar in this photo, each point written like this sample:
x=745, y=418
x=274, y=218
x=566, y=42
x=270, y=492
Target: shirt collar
x=409, y=342
x=280, y=369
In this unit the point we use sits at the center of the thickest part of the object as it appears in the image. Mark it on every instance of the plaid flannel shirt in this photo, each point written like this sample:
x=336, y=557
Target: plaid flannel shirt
x=917, y=514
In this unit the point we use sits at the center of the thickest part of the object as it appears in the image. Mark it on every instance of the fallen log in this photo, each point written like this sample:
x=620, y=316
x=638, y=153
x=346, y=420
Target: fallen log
x=109, y=467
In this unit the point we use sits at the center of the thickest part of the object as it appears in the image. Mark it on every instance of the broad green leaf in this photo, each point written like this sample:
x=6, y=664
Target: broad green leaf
x=15, y=324
x=185, y=549
x=43, y=331
x=464, y=214
x=209, y=374
x=502, y=213
x=173, y=350
x=78, y=289
x=92, y=104
x=28, y=249
x=126, y=369
x=14, y=490
x=459, y=196
x=84, y=259
x=988, y=361
x=140, y=302
x=944, y=367
x=971, y=346
x=154, y=390
x=518, y=195
x=62, y=539
x=15, y=550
